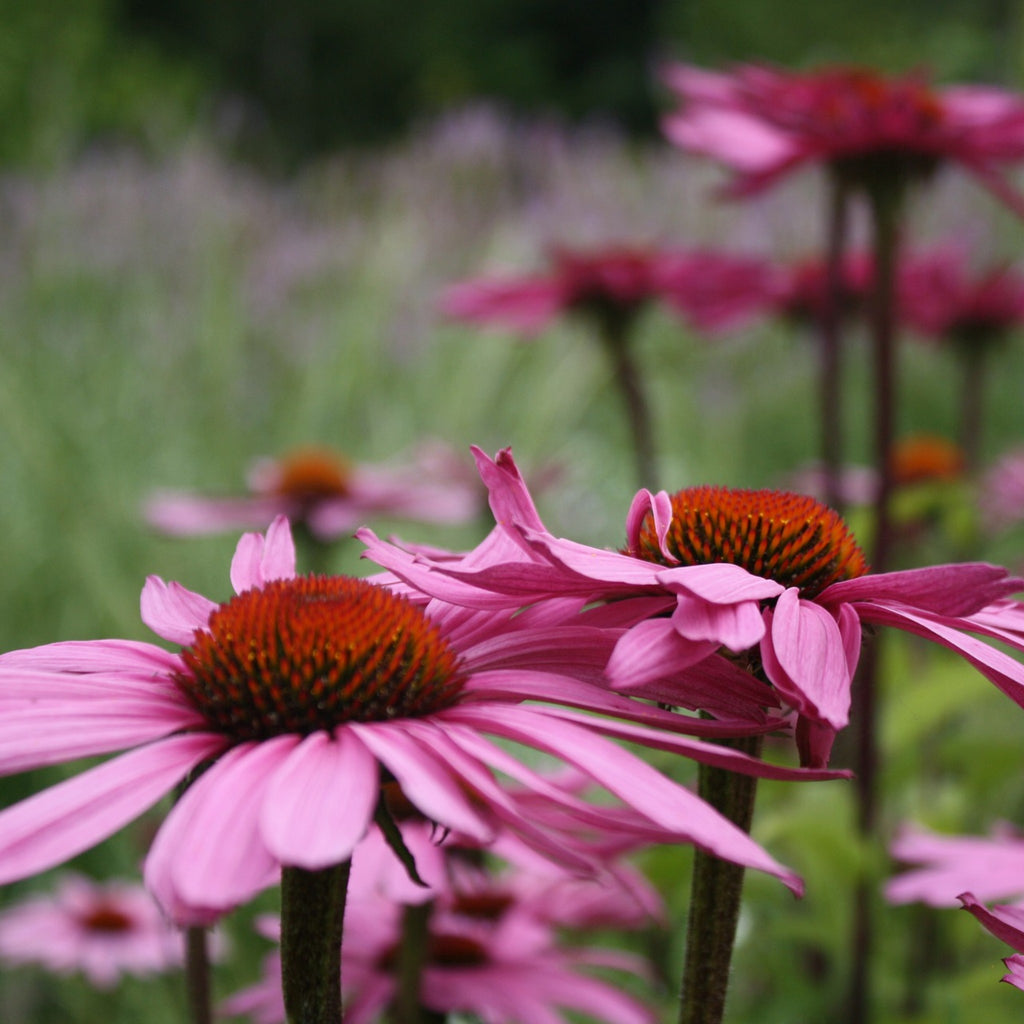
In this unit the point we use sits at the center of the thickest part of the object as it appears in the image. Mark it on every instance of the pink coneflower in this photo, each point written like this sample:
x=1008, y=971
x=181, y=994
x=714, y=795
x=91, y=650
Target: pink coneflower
x=505, y=970
x=102, y=930
x=991, y=867
x=765, y=577
x=1004, y=922
x=764, y=122
x=801, y=292
x=295, y=696
x=323, y=491
x=714, y=291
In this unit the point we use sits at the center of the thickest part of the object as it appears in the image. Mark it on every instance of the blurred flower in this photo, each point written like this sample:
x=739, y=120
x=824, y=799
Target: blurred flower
x=322, y=490
x=767, y=578
x=764, y=122
x=926, y=458
x=713, y=291
x=1006, y=923
x=801, y=294
x=1001, y=493
x=945, y=299
x=295, y=696
x=505, y=968
x=991, y=867
x=103, y=930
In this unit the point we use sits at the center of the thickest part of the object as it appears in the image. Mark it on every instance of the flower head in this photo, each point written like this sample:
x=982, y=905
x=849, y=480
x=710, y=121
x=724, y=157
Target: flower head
x=764, y=122
x=713, y=291
x=944, y=299
x=102, y=930
x=324, y=491
x=296, y=699
x=721, y=582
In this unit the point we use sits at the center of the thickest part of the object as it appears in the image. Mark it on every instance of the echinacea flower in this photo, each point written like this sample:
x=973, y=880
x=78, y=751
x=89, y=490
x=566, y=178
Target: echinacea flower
x=1001, y=492
x=764, y=122
x=991, y=867
x=801, y=292
x=101, y=930
x=323, y=491
x=291, y=702
x=503, y=971
x=721, y=579
x=713, y=291
x=1005, y=922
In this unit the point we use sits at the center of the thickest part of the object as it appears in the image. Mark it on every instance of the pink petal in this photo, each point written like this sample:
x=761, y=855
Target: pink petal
x=209, y=853
x=320, y=801
x=260, y=559
x=653, y=650
x=719, y=583
x=93, y=656
x=639, y=786
x=37, y=736
x=735, y=626
x=952, y=590
x=660, y=507
x=424, y=779
x=1006, y=923
x=509, y=498
x=62, y=821
x=174, y=612
x=1006, y=673
x=804, y=656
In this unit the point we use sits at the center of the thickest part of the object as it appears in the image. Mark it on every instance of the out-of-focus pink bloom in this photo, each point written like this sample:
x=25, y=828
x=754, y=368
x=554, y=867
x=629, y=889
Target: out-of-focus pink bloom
x=711, y=570
x=713, y=291
x=943, y=298
x=991, y=867
x=801, y=292
x=299, y=695
x=503, y=966
x=1001, y=493
x=101, y=930
x=764, y=122
x=1004, y=922
x=323, y=491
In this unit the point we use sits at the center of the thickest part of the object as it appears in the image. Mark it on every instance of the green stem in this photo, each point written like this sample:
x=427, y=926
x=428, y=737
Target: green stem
x=197, y=975
x=312, y=914
x=715, y=896
x=830, y=327
x=616, y=333
x=412, y=958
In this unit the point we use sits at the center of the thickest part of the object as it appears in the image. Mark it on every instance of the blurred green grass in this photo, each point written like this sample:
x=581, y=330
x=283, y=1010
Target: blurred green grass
x=164, y=323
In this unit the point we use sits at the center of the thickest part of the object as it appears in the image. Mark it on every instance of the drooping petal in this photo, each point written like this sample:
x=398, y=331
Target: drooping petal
x=173, y=611
x=804, y=655
x=653, y=650
x=320, y=801
x=1006, y=923
x=209, y=853
x=735, y=626
x=509, y=498
x=424, y=779
x=635, y=783
x=951, y=590
x=43, y=735
x=62, y=821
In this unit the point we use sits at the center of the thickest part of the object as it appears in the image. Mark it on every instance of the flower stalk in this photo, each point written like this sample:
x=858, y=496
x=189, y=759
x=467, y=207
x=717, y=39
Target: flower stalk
x=715, y=896
x=312, y=915
x=197, y=975
x=614, y=329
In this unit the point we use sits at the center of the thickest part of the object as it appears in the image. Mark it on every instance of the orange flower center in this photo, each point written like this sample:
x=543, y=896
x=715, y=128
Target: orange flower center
x=106, y=918
x=314, y=652
x=790, y=538
x=311, y=473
